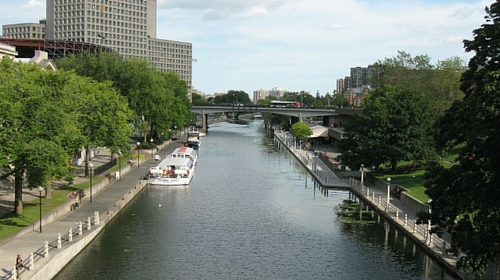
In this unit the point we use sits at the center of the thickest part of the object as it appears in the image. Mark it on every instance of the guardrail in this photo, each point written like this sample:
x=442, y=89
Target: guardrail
x=55, y=244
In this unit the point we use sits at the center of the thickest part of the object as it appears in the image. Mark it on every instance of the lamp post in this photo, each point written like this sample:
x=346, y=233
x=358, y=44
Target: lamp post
x=151, y=147
x=138, y=147
x=120, y=165
x=175, y=131
x=362, y=169
x=169, y=137
x=91, y=166
x=388, y=195
x=429, y=222
x=40, y=189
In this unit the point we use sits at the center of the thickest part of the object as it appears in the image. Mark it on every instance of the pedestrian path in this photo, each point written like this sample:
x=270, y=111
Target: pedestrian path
x=48, y=251
x=389, y=207
x=311, y=162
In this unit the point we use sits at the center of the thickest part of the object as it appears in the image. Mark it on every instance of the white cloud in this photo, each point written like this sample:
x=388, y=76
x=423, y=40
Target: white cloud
x=33, y=4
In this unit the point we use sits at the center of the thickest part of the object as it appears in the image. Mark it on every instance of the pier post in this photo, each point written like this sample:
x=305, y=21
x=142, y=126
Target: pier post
x=59, y=243
x=46, y=250
x=406, y=219
x=96, y=218
x=80, y=228
x=89, y=225
x=32, y=262
x=70, y=235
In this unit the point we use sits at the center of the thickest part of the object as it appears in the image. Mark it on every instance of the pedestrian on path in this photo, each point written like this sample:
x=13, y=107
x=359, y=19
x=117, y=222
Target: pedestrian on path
x=19, y=264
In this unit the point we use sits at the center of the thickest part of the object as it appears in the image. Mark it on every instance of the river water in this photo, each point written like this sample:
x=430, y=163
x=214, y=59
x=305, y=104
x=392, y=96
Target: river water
x=251, y=212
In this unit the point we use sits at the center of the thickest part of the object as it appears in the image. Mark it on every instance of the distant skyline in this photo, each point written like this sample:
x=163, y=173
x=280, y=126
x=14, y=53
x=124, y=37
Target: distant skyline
x=298, y=44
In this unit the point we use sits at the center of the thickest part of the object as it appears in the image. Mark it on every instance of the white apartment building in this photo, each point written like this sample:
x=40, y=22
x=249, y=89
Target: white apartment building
x=277, y=92
x=259, y=94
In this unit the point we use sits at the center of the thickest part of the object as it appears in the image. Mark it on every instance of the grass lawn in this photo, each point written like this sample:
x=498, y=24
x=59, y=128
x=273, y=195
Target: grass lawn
x=413, y=182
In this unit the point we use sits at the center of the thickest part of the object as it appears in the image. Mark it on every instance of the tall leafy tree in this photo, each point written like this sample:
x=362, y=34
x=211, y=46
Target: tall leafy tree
x=37, y=130
x=396, y=125
x=440, y=82
x=301, y=130
x=465, y=198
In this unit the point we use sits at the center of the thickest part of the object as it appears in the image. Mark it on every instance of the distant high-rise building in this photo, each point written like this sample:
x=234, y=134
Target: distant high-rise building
x=260, y=94
x=340, y=86
x=362, y=76
x=277, y=92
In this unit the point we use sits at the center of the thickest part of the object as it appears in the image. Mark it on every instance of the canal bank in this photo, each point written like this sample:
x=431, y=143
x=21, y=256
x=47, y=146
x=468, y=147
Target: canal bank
x=46, y=252
x=392, y=209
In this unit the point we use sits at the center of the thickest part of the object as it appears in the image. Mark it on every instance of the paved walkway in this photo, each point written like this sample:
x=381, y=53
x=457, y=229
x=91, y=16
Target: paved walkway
x=401, y=216
x=101, y=157
x=34, y=245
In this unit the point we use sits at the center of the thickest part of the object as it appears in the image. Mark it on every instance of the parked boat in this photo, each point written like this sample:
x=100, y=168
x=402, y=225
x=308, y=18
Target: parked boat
x=185, y=152
x=172, y=171
x=193, y=139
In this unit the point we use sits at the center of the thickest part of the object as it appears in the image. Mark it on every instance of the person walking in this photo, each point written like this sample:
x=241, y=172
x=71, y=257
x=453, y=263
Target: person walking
x=19, y=265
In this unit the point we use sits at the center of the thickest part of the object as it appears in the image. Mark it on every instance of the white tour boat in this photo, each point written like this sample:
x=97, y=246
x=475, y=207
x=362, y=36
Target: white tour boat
x=172, y=171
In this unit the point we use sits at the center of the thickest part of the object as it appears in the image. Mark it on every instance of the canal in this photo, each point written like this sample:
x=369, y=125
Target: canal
x=251, y=212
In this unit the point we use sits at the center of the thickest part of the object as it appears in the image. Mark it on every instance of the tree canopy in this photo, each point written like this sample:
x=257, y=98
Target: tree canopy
x=440, y=83
x=396, y=125
x=47, y=116
x=301, y=130
x=233, y=97
x=159, y=100
x=465, y=197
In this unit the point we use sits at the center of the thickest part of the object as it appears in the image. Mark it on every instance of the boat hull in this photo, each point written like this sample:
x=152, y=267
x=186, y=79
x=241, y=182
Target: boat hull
x=170, y=181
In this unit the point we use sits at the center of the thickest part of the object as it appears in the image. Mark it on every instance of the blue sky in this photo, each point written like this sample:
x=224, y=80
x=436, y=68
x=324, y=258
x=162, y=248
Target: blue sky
x=298, y=44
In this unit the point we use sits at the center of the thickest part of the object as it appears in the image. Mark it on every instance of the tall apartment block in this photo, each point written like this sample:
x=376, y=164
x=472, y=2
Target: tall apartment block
x=126, y=26
x=361, y=76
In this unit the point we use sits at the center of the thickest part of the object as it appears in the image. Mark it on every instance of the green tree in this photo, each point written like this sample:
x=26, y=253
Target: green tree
x=198, y=100
x=340, y=100
x=38, y=131
x=301, y=130
x=396, y=125
x=159, y=100
x=440, y=83
x=465, y=197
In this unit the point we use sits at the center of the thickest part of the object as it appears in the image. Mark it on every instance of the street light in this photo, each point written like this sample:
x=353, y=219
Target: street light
x=138, y=147
x=362, y=169
x=120, y=165
x=40, y=189
x=91, y=166
x=151, y=147
x=169, y=137
x=388, y=194
x=429, y=222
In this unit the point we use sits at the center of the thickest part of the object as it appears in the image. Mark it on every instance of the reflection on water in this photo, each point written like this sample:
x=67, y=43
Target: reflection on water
x=251, y=212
